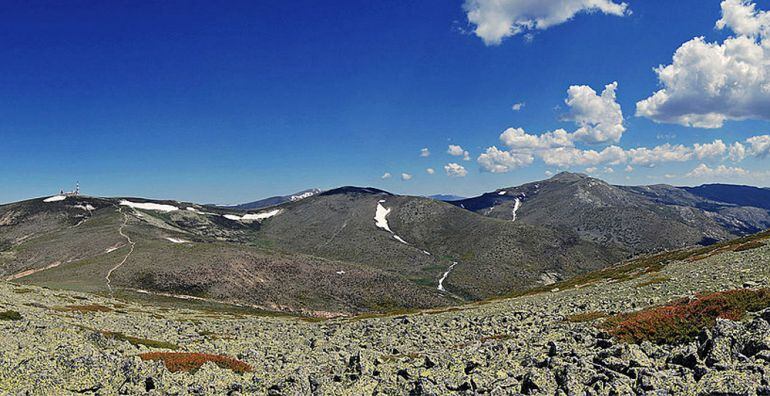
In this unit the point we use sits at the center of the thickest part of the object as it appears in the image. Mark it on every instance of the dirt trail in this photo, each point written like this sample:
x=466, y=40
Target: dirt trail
x=131, y=243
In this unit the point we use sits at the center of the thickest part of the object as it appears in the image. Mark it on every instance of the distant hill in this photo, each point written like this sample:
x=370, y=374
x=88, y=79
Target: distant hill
x=733, y=194
x=446, y=197
x=277, y=200
x=355, y=249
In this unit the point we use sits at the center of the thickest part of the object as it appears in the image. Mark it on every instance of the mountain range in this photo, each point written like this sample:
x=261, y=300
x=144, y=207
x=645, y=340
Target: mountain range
x=360, y=249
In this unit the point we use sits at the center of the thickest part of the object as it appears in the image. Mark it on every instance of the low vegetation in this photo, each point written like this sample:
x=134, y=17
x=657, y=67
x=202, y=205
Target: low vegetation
x=653, y=281
x=85, y=308
x=10, y=315
x=586, y=317
x=682, y=320
x=140, y=341
x=190, y=362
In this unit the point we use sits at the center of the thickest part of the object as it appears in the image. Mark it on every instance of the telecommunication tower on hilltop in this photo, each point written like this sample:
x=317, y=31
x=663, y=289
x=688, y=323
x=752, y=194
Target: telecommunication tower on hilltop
x=72, y=193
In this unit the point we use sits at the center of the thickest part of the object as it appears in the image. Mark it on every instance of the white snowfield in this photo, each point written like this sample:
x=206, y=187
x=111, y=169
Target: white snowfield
x=502, y=193
x=302, y=196
x=55, y=198
x=87, y=207
x=253, y=216
x=516, y=206
x=443, y=278
x=191, y=209
x=381, y=221
x=176, y=240
x=148, y=206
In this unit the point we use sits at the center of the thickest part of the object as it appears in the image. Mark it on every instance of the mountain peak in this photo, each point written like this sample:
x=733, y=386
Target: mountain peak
x=568, y=177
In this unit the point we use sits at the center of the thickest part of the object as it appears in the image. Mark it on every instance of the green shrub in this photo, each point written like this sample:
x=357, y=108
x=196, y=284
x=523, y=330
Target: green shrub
x=10, y=315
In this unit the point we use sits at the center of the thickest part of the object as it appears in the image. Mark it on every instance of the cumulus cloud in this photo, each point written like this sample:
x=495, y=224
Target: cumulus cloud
x=517, y=138
x=424, y=152
x=495, y=20
x=565, y=157
x=455, y=170
x=709, y=83
x=517, y=106
x=406, y=177
x=704, y=171
x=759, y=146
x=599, y=116
x=714, y=150
x=737, y=152
x=386, y=175
x=664, y=153
x=495, y=160
x=458, y=151
x=430, y=171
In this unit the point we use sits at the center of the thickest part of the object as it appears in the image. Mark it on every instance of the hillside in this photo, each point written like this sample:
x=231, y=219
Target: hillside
x=555, y=341
x=352, y=249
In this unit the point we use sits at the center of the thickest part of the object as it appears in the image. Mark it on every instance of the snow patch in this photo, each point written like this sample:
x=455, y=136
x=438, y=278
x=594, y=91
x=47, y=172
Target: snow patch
x=87, y=207
x=443, y=278
x=502, y=193
x=398, y=238
x=149, y=206
x=379, y=217
x=340, y=272
x=516, y=206
x=253, y=216
x=176, y=240
x=55, y=198
x=112, y=249
x=304, y=195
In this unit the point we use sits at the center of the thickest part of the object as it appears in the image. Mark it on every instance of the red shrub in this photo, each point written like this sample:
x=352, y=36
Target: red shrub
x=188, y=362
x=681, y=320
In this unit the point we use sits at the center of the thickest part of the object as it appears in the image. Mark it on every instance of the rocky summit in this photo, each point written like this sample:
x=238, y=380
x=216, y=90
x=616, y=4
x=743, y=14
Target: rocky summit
x=557, y=340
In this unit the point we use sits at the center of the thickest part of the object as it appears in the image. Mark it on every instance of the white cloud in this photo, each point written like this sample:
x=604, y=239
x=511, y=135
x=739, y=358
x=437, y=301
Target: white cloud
x=495, y=20
x=498, y=161
x=455, y=170
x=406, y=177
x=424, y=152
x=430, y=171
x=599, y=116
x=591, y=170
x=759, y=146
x=458, y=151
x=386, y=175
x=518, y=106
x=664, y=153
x=565, y=157
x=709, y=83
x=714, y=150
x=737, y=152
x=517, y=138
x=629, y=169
x=704, y=171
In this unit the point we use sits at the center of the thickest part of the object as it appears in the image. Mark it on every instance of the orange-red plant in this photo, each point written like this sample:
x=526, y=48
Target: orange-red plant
x=681, y=320
x=189, y=361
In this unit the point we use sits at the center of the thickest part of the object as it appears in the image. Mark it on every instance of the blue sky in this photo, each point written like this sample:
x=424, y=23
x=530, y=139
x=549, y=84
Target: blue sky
x=235, y=101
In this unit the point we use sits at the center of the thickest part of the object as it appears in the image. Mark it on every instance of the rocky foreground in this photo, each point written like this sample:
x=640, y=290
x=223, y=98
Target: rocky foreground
x=63, y=342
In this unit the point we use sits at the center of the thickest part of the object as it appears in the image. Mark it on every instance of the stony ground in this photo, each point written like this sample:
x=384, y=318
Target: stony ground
x=523, y=345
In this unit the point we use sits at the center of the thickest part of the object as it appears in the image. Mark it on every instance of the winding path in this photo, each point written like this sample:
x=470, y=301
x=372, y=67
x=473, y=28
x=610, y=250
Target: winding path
x=131, y=243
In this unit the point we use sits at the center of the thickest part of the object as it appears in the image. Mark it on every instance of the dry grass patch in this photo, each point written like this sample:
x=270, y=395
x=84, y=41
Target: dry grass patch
x=653, y=281
x=10, y=315
x=136, y=341
x=85, y=308
x=681, y=321
x=191, y=362
x=586, y=317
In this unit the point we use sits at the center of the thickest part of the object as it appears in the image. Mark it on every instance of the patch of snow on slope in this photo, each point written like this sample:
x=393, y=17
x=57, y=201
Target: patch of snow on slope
x=516, y=206
x=381, y=222
x=149, y=206
x=261, y=216
x=502, y=193
x=176, y=240
x=379, y=217
x=85, y=207
x=253, y=216
x=191, y=209
x=340, y=272
x=55, y=198
x=443, y=278
x=304, y=195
